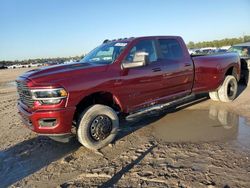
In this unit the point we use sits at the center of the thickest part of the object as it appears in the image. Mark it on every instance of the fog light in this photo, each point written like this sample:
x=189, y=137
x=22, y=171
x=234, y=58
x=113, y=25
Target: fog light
x=48, y=122
x=51, y=101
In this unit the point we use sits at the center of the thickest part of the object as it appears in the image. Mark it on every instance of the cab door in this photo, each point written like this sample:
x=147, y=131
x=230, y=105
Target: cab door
x=142, y=86
x=177, y=70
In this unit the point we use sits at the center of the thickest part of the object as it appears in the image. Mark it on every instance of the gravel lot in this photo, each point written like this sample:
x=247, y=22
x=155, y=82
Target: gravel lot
x=200, y=144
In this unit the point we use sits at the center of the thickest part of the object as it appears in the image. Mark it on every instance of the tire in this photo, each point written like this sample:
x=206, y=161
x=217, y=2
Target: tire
x=213, y=113
x=228, y=119
x=246, y=78
x=91, y=124
x=214, y=95
x=228, y=91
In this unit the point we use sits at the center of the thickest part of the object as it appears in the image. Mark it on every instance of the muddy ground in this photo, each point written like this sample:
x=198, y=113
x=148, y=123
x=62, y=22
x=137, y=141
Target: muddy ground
x=200, y=144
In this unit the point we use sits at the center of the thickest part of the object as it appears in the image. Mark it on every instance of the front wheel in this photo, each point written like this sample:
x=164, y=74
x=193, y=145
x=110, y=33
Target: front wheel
x=97, y=126
x=228, y=91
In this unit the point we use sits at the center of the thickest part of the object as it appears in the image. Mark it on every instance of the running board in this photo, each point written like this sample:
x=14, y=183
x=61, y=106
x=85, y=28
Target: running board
x=160, y=106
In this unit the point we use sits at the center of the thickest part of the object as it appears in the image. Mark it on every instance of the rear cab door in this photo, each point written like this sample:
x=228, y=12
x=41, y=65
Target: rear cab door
x=177, y=67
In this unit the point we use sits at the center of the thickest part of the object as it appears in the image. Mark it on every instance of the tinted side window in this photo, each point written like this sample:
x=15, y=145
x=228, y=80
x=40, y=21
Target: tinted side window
x=147, y=46
x=170, y=49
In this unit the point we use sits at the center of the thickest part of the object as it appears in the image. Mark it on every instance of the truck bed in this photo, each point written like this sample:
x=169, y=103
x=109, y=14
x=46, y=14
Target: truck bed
x=210, y=70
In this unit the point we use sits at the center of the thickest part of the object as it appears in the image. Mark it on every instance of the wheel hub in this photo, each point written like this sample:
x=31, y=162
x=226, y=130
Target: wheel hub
x=100, y=127
x=231, y=89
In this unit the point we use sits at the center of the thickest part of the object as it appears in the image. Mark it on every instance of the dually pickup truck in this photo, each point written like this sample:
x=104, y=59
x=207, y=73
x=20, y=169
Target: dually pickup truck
x=118, y=78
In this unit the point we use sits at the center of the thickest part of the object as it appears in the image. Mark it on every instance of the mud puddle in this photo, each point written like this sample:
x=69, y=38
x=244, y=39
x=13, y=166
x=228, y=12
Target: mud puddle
x=202, y=125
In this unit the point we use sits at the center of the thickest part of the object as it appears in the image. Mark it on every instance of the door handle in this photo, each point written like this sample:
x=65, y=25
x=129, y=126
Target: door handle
x=156, y=69
x=118, y=82
x=187, y=65
x=166, y=74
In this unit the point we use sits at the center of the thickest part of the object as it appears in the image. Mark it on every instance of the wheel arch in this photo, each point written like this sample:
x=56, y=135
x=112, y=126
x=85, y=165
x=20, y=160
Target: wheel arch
x=100, y=97
x=232, y=70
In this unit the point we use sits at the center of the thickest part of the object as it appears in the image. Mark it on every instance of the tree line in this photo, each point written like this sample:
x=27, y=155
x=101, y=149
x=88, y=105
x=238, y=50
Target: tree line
x=219, y=43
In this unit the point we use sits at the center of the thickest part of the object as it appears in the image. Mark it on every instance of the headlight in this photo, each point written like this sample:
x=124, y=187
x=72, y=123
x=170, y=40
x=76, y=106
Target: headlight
x=49, y=96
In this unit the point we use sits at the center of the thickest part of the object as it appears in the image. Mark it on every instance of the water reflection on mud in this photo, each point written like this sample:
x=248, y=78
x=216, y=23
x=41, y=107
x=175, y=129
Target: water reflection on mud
x=201, y=126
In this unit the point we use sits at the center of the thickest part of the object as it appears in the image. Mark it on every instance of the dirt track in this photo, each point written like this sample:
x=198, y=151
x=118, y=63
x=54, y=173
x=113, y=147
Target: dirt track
x=204, y=144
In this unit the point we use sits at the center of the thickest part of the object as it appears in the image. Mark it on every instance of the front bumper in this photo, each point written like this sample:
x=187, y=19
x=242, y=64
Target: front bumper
x=63, y=116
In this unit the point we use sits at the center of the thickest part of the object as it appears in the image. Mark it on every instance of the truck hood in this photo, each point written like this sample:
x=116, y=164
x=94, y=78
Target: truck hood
x=52, y=74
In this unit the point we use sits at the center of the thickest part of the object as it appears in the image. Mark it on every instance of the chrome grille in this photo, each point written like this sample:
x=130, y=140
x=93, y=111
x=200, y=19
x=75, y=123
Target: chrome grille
x=24, y=94
x=26, y=120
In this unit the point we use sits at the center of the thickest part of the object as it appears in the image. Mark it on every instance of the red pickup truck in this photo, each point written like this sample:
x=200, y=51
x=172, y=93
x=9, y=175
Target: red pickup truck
x=120, y=77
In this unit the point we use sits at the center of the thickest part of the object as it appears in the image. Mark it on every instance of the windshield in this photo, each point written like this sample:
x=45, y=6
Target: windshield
x=105, y=53
x=243, y=51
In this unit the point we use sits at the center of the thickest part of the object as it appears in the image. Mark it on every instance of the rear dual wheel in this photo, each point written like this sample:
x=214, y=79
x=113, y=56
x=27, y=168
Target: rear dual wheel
x=246, y=78
x=227, y=92
x=214, y=95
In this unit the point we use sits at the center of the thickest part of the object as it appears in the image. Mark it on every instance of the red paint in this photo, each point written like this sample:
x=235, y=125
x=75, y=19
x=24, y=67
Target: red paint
x=132, y=89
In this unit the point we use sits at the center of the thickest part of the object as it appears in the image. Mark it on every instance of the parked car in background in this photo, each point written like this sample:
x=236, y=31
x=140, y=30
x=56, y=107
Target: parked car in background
x=243, y=50
x=225, y=47
x=206, y=51
x=219, y=50
x=15, y=66
x=194, y=51
x=34, y=65
x=3, y=66
x=24, y=65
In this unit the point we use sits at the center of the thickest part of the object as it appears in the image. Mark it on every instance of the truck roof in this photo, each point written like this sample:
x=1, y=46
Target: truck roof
x=133, y=38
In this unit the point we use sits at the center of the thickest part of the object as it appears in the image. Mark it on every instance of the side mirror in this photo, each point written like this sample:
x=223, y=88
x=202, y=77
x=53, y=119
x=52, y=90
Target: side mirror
x=140, y=59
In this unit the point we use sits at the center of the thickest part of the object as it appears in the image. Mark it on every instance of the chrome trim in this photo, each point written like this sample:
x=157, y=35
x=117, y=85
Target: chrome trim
x=160, y=106
x=24, y=93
